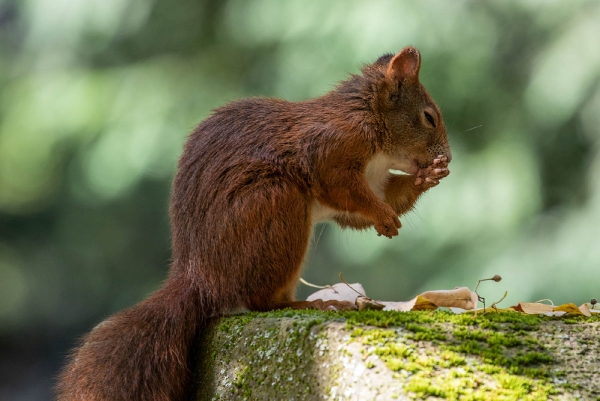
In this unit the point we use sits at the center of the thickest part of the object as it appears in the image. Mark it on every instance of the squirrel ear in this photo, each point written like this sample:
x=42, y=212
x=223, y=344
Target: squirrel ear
x=405, y=65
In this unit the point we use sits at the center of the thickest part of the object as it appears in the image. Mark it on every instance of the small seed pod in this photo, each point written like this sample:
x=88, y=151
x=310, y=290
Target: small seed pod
x=497, y=278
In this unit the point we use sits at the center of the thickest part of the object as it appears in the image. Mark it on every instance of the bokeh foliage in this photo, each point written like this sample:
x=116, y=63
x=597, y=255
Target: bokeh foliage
x=97, y=98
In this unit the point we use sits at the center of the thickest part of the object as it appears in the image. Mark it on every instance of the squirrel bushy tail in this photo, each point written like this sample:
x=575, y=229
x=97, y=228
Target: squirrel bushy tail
x=141, y=353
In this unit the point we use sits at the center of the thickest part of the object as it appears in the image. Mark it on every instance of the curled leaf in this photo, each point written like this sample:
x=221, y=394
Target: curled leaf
x=366, y=303
x=461, y=297
x=568, y=308
x=533, y=308
x=424, y=303
x=585, y=310
x=338, y=292
x=417, y=303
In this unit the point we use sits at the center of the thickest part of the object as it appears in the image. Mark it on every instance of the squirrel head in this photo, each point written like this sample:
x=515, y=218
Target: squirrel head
x=412, y=131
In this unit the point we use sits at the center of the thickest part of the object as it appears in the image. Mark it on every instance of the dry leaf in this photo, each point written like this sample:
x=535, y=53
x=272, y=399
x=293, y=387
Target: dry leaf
x=533, y=308
x=423, y=303
x=366, y=303
x=417, y=303
x=343, y=292
x=568, y=308
x=459, y=300
x=399, y=306
x=338, y=292
x=585, y=310
x=461, y=297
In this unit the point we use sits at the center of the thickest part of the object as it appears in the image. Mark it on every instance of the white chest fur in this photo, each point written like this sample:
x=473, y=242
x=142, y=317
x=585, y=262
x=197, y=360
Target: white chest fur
x=377, y=173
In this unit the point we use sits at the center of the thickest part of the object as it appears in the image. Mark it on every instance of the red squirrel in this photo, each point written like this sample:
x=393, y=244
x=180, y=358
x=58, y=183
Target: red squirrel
x=253, y=180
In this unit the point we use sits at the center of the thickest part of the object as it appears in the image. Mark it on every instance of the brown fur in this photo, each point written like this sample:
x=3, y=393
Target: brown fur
x=251, y=182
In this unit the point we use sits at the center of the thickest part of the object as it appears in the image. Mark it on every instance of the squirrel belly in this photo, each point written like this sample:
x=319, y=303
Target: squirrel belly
x=377, y=174
x=252, y=181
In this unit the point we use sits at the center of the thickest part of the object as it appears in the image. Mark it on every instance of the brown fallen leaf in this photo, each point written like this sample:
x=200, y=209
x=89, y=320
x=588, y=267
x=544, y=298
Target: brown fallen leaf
x=405, y=306
x=459, y=300
x=423, y=303
x=366, y=303
x=338, y=292
x=585, y=310
x=460, y=297
x=568, y=308
x=533, y=308
x=347, y=292
x=417, y=303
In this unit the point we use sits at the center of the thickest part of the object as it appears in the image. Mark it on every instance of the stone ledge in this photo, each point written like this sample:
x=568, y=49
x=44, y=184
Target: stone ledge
x=391, y=355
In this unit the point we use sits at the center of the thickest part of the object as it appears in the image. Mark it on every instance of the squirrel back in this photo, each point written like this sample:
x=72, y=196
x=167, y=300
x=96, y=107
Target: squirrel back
x=252, y=181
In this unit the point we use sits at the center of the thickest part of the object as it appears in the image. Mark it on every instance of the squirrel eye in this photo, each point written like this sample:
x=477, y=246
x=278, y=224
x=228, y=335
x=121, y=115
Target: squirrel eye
x=430, y=119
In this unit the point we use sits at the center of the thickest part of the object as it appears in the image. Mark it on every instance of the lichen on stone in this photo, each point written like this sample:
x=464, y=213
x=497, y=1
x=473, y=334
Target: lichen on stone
x=306, y=355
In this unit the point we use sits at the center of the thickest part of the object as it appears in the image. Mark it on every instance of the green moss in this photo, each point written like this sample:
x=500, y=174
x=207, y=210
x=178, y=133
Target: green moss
x=516, y=321
x=356, y=332
x=443, y=371
x=491, y=356
x=424, y=333
x=474, y=387
x=533, y=358
x=424, y=388
x=394, y=350
x=490, y=369
x=377, y=336
x=495, y=353
x=452, y=359
x=507, y=340
x=466, y=334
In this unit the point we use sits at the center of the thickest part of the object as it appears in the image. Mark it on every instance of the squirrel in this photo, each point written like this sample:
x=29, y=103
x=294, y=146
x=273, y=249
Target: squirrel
x=253, y=180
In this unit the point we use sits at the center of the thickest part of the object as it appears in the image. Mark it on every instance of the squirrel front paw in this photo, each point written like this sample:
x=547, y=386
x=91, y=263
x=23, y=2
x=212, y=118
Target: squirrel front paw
x=388, y=224
x=431, y=175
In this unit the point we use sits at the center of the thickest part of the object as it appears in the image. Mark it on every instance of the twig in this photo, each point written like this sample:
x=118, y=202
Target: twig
x=349, y=286
x=306, y=283
x=362, y=295
x=481, y=299
x=497, y=302
x=496, y=278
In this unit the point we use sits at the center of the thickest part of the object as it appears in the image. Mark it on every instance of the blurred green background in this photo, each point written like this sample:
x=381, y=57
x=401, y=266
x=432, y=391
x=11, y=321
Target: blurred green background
x=97, y=98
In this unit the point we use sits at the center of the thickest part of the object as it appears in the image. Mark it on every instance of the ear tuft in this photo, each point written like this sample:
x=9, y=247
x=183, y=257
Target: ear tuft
x=405, y=65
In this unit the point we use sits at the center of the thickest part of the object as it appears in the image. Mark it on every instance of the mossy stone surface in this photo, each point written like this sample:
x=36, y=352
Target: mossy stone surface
x=375, y=355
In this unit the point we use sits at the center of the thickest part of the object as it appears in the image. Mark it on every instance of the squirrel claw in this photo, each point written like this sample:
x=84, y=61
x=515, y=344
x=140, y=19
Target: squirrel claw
x=432, y=174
